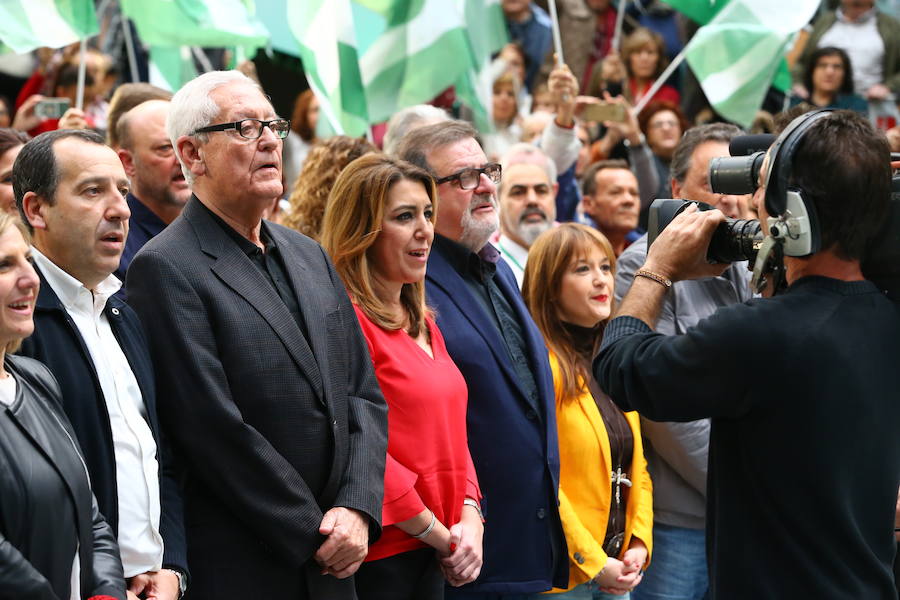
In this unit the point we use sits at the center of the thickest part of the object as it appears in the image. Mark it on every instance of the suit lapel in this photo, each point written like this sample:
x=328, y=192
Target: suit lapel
x=442, y=274
x=60, y=450
x=237, y=271
x=308, y=298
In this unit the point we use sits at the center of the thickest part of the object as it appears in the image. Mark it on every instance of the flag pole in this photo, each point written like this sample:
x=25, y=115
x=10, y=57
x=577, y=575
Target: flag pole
x=202, y=59
x=129, y=49
x=620, y=18
x=660, y=81
x=82, y=65
x=557, y=40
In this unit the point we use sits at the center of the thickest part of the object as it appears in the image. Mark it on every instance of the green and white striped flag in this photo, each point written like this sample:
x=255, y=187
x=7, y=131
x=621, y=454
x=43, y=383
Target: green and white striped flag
x=171, y=27
x=204, y=23
x=701, y=11
x=737, y=54
x=171, y=66
x=367, y=59
x=326, y=43
x=29, y=24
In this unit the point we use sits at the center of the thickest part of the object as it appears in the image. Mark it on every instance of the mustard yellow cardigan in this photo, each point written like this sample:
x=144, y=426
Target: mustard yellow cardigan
x=584, y=483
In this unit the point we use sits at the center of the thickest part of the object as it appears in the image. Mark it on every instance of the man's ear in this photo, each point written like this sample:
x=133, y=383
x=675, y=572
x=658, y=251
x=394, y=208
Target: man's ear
x=127, y=159
x=34, y=207
x=587, y=202
x=189, y=150
x=676, y=188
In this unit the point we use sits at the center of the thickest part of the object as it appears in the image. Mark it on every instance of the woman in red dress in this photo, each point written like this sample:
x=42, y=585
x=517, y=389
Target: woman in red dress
x=378, y=229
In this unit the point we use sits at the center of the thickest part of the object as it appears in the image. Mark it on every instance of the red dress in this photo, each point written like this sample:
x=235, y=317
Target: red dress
x=428, y=460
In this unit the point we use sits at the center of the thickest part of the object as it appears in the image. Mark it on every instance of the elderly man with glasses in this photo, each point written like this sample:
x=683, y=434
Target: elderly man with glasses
x=265, y=382
x=491, y=337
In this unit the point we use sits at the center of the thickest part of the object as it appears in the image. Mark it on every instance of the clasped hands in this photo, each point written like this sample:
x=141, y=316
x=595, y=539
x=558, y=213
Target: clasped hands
x=621, y=576
x=346, y=544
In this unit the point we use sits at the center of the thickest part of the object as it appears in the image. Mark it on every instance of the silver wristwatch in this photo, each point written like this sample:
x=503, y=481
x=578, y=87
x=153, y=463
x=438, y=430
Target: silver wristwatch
x=182, y=581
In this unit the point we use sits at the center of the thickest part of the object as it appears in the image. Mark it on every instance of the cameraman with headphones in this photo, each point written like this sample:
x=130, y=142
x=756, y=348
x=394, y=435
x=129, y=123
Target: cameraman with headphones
x=804, y=462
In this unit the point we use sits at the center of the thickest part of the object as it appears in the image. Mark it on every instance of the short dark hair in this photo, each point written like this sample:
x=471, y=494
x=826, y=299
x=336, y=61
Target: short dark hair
x=842, y=164
x=414, y=148
x=67, y=76
x=693, y=137
x=846, y=85
x=36, y=170
x=589, y=178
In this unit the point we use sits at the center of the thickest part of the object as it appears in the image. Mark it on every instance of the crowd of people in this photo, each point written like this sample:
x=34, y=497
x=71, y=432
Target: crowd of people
x=240, y=360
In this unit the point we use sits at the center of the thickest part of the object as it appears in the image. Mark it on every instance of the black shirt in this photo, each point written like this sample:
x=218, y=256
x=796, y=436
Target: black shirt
x=478, y=270
x=269, y=262
x=804, y=455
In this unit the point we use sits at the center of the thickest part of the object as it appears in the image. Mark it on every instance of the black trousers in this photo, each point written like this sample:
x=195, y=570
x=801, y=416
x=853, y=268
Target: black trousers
x=413, y=575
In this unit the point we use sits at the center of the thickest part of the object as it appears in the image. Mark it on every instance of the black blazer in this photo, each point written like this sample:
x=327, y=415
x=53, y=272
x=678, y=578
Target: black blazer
x=57, y=343
x=273, y=429
x=35, y=565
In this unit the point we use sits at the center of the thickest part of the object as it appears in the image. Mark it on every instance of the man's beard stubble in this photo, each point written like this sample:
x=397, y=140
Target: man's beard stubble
x=477, y=232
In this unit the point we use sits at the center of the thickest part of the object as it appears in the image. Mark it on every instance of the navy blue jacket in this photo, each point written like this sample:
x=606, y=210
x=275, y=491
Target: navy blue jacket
x=57, y=343
x=513, y=442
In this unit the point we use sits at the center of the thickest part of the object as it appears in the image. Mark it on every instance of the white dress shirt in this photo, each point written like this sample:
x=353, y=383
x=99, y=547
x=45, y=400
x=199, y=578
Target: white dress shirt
x=137, y=471
x=515, y=256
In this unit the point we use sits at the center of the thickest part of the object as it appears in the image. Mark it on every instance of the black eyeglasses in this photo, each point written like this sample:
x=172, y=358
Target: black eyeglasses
x=468, y=178
x=252, y=128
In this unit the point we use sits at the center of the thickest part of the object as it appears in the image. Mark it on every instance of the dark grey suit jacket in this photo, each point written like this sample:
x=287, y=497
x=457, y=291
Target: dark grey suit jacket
x=272, y=431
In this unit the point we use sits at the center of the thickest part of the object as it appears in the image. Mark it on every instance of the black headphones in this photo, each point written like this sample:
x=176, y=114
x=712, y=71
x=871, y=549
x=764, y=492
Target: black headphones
x=793, y=220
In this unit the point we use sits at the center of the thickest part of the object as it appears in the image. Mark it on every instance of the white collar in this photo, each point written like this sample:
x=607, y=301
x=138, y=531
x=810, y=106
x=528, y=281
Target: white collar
x=68, y=288
x=863, y=18
x=512, y=248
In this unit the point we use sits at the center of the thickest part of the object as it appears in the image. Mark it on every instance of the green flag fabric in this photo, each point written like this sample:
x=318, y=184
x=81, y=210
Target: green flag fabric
x=206, y=23
x=701, y=11
x=29, y=24
x=171, y=27
x=171, y=66
x=367, y=59
x=737, y=54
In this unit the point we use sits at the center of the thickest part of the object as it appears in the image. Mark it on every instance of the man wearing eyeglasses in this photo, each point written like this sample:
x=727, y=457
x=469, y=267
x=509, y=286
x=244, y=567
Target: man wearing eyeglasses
x=158, y=188
x=491, y=337
x=265, y=382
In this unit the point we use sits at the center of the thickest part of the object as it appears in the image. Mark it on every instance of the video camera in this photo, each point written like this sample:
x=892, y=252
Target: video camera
x=792, y=228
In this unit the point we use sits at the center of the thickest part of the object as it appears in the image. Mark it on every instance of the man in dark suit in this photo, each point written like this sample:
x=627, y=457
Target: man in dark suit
x=70, y=188
x=495, y=343
x=266, y=385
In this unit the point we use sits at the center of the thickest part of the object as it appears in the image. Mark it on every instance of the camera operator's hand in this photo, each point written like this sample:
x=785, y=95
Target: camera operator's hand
x=680, y=250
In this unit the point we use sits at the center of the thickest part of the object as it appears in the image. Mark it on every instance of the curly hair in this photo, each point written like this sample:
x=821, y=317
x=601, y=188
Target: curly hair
x=324, y=163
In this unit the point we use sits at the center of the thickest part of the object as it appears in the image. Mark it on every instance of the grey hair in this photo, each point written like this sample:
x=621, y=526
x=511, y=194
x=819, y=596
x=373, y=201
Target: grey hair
x=528, y=154
x=416, y=146
x=693, y=137
x=193, y=108
x=408, y=119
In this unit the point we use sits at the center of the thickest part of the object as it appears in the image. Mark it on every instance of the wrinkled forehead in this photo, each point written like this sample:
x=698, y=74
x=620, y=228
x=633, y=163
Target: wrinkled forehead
x=452, y=157
x=241, y=100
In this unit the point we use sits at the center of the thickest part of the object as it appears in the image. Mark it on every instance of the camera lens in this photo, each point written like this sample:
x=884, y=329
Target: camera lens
x=735, y=174
x=734, y=240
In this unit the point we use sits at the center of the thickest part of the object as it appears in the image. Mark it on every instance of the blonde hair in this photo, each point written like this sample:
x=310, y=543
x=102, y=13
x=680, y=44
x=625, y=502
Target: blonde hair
x=321, y=168
x=353, y=217
x=548, y=260
x=8, y=220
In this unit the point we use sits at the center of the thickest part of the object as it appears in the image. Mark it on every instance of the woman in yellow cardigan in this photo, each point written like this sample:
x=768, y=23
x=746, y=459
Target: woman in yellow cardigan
x=605, y=492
